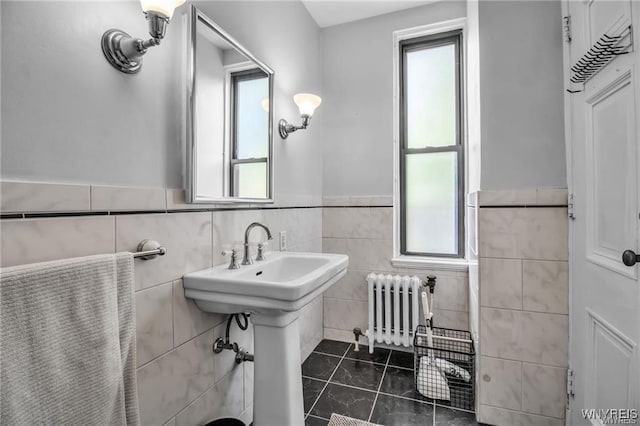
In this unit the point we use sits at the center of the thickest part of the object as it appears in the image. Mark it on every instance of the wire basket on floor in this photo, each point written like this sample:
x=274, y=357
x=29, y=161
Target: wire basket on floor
x=445, y=372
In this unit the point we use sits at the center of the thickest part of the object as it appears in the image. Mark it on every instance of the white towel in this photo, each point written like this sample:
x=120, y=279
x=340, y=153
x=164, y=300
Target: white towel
x=67, y=330
x=431, y=382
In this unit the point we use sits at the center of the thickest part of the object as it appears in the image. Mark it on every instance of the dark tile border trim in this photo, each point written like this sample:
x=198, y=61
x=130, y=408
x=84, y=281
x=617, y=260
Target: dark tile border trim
x=134, y=212
x=525, y=206
x=11, y=216
x=358, y=207
x=32, y=215
x=63, y=214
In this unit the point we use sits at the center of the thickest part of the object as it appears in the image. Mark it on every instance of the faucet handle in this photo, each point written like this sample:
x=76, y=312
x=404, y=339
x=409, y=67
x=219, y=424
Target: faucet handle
x=233, y=264
x=261, y=250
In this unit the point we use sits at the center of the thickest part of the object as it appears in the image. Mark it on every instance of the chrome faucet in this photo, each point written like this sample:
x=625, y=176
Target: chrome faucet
x=246, y=259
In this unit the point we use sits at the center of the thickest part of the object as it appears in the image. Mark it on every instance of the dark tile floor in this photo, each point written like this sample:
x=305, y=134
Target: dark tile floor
x=375, y=387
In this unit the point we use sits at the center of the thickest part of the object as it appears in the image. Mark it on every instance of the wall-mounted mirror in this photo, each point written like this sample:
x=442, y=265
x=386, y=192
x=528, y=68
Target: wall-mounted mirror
x=229, y=135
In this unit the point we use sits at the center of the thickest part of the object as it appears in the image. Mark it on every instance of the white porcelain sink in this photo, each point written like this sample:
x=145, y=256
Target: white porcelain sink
x=285, y=281
x=273, y=291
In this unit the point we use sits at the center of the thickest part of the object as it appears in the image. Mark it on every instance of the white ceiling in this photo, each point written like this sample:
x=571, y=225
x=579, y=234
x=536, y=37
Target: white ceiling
x=328, y=13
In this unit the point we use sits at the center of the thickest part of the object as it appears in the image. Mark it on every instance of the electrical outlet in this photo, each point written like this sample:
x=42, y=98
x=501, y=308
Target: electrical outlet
x=283, y=240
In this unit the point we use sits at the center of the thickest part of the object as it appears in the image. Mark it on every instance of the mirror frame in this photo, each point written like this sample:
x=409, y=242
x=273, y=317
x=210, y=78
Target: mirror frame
x=196, y=15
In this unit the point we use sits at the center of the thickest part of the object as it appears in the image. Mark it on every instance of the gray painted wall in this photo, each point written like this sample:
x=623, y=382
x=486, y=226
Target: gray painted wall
x=358, y=98
x=68, y=116
x=521, y=95
x=522, y=144
x=87, y=123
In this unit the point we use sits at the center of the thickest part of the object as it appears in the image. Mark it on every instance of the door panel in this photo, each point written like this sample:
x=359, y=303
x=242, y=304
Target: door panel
x=611, y=201
x=607, y=17
x=610, y=365
x=602, y=138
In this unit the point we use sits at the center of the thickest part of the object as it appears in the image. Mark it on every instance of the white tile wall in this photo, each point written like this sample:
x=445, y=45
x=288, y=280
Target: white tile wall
x=39, y=240
x=188, y=320
x=365, y=234
x=523, y=288
x=113, y=198
x=310, y=324
x=187, y=237
x=524, y=197
x=500, y=416
x=525, y=336
x=500, y=333
x=508, y=198
x=180, y=380
x=154, y=322
x=171, y=382
x=345, y=314
x=458, y=320
x=225, y=362
x=369, y=254
x=43, y=197
x=501, y=383
x=225, y=398
x=501, y=283
x=367, y=200
x=176, y=200
x=544, y=338
x=543, y=389
x=523, y=233
x=545, y=286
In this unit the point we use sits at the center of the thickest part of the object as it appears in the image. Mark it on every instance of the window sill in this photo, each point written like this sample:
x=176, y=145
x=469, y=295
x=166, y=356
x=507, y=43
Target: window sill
x=414, y=262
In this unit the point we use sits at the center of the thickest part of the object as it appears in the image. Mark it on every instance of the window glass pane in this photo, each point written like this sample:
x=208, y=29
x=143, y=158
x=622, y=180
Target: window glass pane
x=252, y=120
x=431, y=96
x=431, y=185
x=250, y=180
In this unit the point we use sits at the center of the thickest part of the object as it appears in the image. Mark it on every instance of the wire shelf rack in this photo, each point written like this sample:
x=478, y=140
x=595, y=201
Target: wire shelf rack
x=605, y=49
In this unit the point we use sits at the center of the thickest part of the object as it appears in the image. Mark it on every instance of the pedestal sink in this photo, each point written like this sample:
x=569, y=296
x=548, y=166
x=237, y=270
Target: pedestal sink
x=273, y=291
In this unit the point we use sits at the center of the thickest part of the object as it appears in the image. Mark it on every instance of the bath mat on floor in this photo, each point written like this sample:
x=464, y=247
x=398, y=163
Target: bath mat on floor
x=338, y=420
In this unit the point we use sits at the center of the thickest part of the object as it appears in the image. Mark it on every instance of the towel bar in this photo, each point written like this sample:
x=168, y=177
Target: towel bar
x=149, y=249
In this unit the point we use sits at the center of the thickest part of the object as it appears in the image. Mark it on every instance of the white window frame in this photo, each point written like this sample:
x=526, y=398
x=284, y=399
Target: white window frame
x=405, y=261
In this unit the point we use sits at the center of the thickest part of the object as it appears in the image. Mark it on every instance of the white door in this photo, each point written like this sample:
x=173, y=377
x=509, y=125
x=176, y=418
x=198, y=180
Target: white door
x=603, y=156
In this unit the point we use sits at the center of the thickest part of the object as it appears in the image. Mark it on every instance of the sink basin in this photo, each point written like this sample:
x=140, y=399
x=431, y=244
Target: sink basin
x=285, y=281
x=273, y=291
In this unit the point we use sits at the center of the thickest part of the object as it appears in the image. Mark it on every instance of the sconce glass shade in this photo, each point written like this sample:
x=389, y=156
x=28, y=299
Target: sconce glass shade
x=307, y=103
x=164, y=7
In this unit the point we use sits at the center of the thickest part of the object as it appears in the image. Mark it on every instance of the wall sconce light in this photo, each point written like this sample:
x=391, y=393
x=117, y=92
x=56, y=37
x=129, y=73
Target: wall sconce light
x=125, y=52
x=307, y=104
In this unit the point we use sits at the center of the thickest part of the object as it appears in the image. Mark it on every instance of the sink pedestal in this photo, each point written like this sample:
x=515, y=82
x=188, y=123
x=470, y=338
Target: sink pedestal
x=277, y=390
x=274, y=291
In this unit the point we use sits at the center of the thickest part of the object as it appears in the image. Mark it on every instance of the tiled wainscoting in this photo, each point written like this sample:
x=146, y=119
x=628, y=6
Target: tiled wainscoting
x=522, y=246
x=180, y=380
x=523, y=273
x=362, y=228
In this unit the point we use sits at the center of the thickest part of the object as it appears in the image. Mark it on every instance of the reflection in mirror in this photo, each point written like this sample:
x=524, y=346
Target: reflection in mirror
x=230, y=134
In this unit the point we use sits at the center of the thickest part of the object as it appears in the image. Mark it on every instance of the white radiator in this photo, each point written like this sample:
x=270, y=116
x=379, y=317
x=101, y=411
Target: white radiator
x=393, y=309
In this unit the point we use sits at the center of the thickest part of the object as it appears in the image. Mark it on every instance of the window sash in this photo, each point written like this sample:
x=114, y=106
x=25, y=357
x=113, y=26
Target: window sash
x=455, y=38
x=235, y=162
x=237, y=77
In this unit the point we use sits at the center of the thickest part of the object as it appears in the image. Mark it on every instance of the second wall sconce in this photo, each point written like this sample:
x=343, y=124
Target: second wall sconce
x=125, y=52
x=307, y=104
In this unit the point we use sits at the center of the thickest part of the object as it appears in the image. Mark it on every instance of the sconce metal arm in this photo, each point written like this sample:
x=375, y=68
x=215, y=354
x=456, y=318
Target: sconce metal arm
x=285, y=128
x=125, y=52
